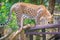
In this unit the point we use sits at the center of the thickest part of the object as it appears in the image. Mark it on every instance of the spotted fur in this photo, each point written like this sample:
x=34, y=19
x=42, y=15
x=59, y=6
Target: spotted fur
x=30, y=11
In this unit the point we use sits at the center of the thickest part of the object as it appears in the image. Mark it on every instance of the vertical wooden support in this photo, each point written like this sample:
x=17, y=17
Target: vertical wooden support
x=58, y=29
x=0, y=4
x=1, y=31
x=59, y=22
x=1, y=28
x=43, y=35
x=31, y=37
x=57, y=18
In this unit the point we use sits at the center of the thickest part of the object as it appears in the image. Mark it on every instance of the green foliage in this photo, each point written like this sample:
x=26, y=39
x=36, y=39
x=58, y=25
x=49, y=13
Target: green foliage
x=27, y=1
x=29, y=21
x=13, y=22
x=4, y=12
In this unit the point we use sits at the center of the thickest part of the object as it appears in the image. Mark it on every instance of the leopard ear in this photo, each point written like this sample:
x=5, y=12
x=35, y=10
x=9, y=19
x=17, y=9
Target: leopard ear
x=39, y=10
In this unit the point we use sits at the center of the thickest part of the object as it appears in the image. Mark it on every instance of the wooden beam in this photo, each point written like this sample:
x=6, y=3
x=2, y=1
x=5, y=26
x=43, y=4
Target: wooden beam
x=38, y=33
x=45, y=26
x=56, y=14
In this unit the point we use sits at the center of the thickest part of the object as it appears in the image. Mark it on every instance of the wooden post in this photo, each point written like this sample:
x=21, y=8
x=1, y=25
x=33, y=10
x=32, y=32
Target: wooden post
x=51, y=9
x=1, y=31
x=1, y=28
x=44, y=35
x=31, y=37
x=0, y=4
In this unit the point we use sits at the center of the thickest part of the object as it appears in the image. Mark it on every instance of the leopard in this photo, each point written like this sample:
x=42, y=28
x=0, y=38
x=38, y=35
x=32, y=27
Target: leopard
x=30, y=11
x=27, y=10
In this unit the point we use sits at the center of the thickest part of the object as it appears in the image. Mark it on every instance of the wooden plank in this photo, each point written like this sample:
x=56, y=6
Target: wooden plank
x=38, y=33
x=45, y=26
x=56, y=14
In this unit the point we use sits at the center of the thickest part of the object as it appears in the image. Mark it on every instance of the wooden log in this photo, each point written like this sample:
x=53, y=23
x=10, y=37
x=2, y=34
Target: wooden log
x=19, y=32
x=38, y=33
x=38, y=27
x=45, y=26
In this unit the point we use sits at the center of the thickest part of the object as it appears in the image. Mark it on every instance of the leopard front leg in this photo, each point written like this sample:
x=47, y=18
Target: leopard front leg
x=19, y=15
x=20, y=31
x=22, y=34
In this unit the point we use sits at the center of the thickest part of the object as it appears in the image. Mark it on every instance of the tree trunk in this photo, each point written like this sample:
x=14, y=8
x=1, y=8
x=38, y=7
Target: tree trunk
x=41, y=1
x=51, y=6
x=51, y=9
